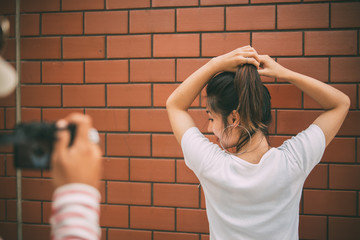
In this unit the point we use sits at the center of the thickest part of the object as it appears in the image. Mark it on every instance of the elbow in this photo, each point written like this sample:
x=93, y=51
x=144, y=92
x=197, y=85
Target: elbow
x=169, y=103
x=346, y=102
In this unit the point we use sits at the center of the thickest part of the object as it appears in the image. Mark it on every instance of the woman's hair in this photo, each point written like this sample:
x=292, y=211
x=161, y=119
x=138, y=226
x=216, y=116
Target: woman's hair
x=244, y=92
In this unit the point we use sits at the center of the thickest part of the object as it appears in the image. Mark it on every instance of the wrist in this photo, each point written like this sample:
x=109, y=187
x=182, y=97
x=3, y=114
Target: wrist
x=214, y=65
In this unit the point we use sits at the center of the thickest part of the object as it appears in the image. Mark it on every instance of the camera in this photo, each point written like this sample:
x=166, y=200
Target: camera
x=33, y=143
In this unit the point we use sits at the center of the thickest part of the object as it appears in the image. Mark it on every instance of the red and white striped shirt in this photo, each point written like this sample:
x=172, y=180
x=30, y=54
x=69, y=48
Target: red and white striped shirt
x=75, y=212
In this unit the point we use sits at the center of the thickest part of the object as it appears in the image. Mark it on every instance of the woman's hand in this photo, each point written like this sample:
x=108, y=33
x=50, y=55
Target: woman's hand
x=270, y=68
x=229, y=62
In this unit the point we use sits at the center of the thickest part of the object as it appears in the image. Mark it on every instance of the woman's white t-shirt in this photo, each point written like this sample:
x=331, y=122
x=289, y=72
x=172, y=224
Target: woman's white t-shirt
x=253, y=201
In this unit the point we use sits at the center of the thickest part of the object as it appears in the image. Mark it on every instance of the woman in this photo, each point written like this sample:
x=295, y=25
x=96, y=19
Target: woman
x=254, y=191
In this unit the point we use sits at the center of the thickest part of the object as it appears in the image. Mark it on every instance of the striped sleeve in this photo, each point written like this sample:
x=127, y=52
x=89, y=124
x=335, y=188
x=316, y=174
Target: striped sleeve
x=75, y=212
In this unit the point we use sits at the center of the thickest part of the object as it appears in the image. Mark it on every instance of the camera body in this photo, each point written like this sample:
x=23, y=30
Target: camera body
x=33, y=144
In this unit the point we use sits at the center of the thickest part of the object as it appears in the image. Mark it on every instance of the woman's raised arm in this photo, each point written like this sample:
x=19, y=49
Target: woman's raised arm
x=335, y=103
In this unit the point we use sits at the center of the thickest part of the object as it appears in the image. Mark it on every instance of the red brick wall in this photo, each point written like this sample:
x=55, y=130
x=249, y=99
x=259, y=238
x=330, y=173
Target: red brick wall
x=118, y=61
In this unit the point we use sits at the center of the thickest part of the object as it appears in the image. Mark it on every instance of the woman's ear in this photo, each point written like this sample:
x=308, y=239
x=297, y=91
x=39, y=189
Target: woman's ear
x=234, y=118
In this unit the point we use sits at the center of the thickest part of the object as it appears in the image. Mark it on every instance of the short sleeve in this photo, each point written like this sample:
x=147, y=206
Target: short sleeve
x=307, y=147
x=198, y=150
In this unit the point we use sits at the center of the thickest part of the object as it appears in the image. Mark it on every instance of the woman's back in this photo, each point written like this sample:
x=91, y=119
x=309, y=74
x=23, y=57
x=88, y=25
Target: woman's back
x=253, y=201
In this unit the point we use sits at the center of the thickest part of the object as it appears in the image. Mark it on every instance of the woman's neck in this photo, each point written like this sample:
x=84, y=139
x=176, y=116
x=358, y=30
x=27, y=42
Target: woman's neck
x=255, y=149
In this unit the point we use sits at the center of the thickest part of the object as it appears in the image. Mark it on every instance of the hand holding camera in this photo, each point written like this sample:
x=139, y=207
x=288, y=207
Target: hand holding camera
x=79, y=162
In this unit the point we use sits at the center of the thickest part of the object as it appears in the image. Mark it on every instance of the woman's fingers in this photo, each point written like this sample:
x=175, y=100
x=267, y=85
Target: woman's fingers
x=251, y=60
x=63, y=136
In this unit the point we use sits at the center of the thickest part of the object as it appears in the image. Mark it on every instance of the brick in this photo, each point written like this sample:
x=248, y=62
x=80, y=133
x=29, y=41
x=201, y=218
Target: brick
x=358, y=152
x=37, y=189
x=109, y=119
x=114, y=216
x=176, y=45
x=40, y=6
x=132, y=46
x=84, y=96
x=152, y=70
x=82, y=4
x=129, y=95
x=237, y=18
x=294, y=121
x=330, y=42
x=278, y=43
x=104, y=22
x=152, y=21
x=149, y=120
x=30, y=25
x=10, y=119
x=344, y=177
x=83, y=47
x=192, y=220
x=54, y=114
x=116, y=169
x=108, y=71
x=128, y=145
x=8, y=230
x=40, y=232
x=40, y=96
x=2, y=118
x=46, y=211
x=317, y=68
x=2, y=172
x=10, y=169
x=344, y=228
x=175, y=236
x=215, y=44
x=318, y=177
x=312, y=227
x=174, y=3
x=184, y=174
x=345, y=15
x=62, y=23
x=30, y=114
x=222, y=2
x=30, y=72
x=115, y=4
x=7, y=7
x=344, y=69
x=154, y=170
x=165, y=146
x=274, y=1
x=3, y=210
x=348, y=89
x=205, y=237
x=185, y=67
x=200, y=19
x=178, y=195
x=8, y=189
x=31, y=211
x=340, y=150
x=330, y=202
x=114, y=234
x=10, y=50
x=349, y=127
x=297, y=16
x=153, y=218
x=129, y=193
x=41, y=48
x=62, y=72
x=202, y=199
x=285, y=96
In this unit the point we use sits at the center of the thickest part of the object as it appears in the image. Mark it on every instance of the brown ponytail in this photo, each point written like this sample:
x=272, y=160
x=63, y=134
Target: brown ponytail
x=245, y=93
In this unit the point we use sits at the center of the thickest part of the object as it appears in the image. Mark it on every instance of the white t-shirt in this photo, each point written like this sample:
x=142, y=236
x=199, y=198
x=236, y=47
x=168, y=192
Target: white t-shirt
x=253, y=201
